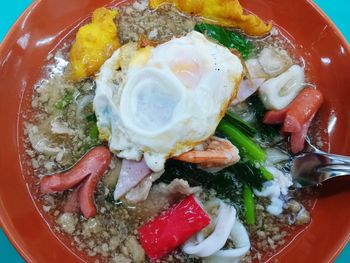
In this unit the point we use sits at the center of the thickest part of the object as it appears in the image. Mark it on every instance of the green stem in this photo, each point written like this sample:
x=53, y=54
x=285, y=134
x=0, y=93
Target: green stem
x=235, y=120
x=267, y=175
x=246, y=146
x=249, y=205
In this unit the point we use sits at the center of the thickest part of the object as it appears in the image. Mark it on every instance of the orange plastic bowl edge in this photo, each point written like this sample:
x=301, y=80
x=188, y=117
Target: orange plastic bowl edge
x=5, y=221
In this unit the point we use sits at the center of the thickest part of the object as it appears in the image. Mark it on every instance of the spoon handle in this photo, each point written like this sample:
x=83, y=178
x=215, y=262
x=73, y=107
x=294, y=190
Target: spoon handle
x=333, y=158
x=337, y=159
x=334, y=170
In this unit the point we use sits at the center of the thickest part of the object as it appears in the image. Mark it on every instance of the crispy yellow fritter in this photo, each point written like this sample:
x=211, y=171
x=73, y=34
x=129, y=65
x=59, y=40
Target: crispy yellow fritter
x=223, y=12
x=94, y=44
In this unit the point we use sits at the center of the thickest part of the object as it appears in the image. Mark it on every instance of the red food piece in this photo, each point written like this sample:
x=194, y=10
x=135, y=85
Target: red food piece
x=172, y=228
x=91, y=168
x=298, y=112
x=72, y=203
x=297, y=116
x=305, y=105
x=86, y=194
x=275, y=116
x=95, y=161
x=297, y=139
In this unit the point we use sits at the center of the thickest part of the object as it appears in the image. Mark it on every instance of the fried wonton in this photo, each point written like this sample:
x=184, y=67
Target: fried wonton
x=227, y=13
x=94, y=44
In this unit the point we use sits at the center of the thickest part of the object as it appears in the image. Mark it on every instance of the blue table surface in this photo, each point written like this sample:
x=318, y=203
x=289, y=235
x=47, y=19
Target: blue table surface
x=337, y=10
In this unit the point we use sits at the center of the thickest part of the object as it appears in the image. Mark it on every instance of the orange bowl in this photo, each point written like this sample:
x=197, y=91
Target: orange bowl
x=46, y=24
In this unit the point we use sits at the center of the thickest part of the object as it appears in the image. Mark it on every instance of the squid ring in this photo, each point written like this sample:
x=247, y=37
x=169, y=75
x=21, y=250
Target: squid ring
x=217, y=239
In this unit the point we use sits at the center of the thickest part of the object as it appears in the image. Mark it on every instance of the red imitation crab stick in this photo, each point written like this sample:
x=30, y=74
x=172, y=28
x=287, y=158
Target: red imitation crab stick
x=297, y=116
x=172, y=228
x=88, y=171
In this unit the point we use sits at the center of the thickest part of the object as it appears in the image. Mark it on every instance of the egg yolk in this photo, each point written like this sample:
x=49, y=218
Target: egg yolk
x=188, y=71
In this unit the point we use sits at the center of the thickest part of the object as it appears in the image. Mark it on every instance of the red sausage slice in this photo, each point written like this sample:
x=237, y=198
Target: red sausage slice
x=302, y=109
x=86, y=194
x=275, y=117
x=297, y=139
x=72, y=203
x=297, y=116
x=93, y=162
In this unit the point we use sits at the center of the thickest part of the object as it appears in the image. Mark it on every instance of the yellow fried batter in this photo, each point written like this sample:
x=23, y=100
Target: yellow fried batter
x=224, y=12
x=94, y=44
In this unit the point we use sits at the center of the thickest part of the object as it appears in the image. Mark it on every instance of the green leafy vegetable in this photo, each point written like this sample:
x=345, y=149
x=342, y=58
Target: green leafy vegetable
x=87, y=146
x=243, y=126
x=226, y=37
x=246, y=146
x=249, y=170
x=249, y=174
x=249, y=205
x=223, y=182
x=64, y=101
x=93, y=133
x=91, y=118
x=267, y=132
x=93, y=130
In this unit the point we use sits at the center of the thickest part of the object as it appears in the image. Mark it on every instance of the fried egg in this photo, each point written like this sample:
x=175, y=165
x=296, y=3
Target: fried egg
x=159, y=102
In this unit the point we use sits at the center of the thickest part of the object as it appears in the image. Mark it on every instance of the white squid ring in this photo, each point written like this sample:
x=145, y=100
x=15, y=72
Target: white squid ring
x=240, y=238
x=216, y=240
x=226, y=226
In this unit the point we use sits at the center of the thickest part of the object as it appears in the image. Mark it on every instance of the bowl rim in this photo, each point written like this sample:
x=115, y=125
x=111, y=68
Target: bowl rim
x=4, y=218
x=346, y=45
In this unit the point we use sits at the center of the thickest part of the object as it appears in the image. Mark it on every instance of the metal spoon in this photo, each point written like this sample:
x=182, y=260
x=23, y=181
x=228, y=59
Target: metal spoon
x=315, y=166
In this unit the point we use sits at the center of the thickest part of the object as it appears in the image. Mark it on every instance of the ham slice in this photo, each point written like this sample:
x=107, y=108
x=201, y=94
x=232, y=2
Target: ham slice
x=131, y=174
x=247, y=88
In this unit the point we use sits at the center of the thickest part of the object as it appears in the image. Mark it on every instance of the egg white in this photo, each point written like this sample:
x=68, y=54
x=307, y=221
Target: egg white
x=160, y=102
